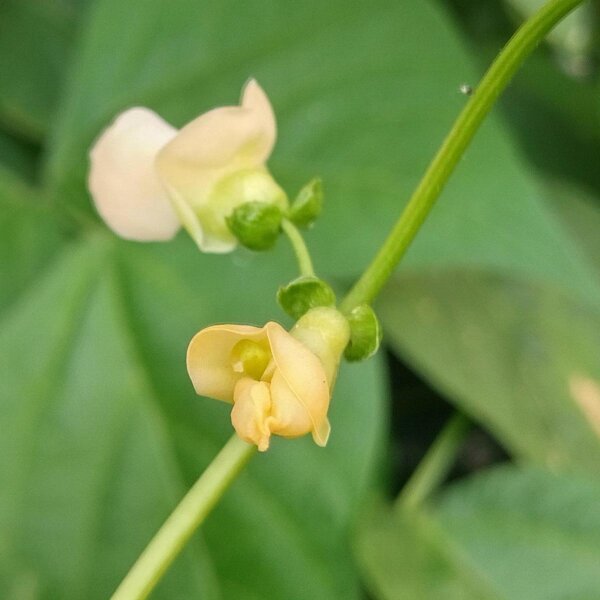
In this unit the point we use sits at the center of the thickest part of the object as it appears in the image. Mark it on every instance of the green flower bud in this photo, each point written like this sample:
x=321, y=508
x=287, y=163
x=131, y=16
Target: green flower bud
x=306, y=292
x=256, y=225
x=308, y=204
x=365, y=333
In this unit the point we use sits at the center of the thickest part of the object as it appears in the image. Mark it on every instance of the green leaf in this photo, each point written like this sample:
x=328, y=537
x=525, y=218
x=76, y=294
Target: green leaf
x=506, y=534
x=102, y=434
x=35, y=44
x=17, y=157
x=536, y=535
x=29, y=236
x=367, y=117
x=556, y=122
x=509, y=353
x=580, y=211
x=403, y=555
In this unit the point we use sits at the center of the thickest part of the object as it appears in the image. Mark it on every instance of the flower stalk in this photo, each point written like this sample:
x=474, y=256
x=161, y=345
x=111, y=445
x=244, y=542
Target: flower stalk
x=299, y=246
x=184, y=520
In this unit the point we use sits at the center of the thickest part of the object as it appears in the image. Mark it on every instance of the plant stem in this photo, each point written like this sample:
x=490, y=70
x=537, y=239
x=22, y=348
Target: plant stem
x=434, y=467
x=184, y=520
x=431, y=185
x=299, y=246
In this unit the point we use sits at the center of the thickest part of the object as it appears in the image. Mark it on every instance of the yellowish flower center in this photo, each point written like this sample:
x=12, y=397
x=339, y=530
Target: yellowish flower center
x=250, y=358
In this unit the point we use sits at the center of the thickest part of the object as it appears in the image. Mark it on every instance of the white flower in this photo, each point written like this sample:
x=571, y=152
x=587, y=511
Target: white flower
x=147, y=178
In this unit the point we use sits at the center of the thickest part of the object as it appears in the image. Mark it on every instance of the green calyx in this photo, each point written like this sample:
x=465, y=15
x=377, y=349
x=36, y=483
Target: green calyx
x=306, y=292
x=365, y=333
x=308, y=204
x=256, y=225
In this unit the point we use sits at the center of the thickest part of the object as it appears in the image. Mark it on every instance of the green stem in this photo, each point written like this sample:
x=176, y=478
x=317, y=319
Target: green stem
x=299, y=246
x=491, y=86
x=184, y=520
x=434, y=467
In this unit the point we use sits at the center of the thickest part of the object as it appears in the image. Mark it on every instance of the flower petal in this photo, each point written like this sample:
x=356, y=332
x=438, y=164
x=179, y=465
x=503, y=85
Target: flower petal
x=243, y=136
x=256, y=100
x=291, y=417
x=225, y=139
x=300, y=380
x=209, y=359
x=124, y=185
x=250, y=415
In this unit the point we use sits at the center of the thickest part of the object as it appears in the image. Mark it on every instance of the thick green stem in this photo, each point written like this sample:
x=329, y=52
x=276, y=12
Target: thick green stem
x=486, y=93
x=184, y=520
x=434, y=467
x=300, y=250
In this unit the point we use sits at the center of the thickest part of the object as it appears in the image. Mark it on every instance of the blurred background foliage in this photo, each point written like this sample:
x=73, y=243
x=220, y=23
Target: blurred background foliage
x=495, y=312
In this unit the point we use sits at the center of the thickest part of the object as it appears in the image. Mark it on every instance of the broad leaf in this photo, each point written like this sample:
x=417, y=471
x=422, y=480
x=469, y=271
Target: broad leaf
x=580, y=211
x=509, y=353
x=404, y=556
x=17, y=157
x=556, y=121
x=29, y=236
x=35, y=44
x=507, y=534
x=535, y=535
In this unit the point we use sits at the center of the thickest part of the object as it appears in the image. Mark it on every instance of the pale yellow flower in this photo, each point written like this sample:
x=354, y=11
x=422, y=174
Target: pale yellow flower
x=147, y=179
x=279, y=382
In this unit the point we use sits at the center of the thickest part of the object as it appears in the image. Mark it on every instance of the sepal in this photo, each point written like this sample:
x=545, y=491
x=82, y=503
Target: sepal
x=365, y=333
x=308, y=204
x=256, y=225
x=306, y=292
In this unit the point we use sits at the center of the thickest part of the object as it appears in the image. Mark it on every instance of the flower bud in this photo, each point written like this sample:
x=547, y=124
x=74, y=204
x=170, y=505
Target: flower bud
x=308, y=204
x=306, y=292
x=365, y=333
x=256, y=225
